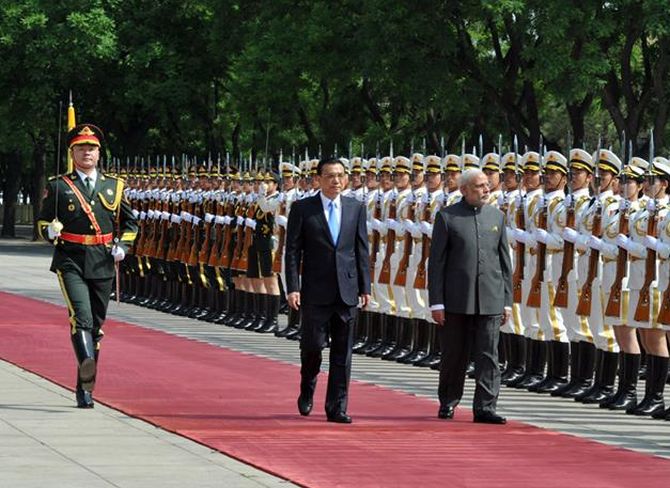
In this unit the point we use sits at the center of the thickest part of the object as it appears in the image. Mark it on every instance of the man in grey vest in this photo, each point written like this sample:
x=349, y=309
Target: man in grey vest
x=470, y=294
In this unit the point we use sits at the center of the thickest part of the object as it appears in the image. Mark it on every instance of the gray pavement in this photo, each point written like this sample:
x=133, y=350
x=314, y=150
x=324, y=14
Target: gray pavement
x=23, y=269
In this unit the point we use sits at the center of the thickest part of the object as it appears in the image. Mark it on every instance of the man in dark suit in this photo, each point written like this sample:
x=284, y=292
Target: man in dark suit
x=326, y=240
x=470, y=294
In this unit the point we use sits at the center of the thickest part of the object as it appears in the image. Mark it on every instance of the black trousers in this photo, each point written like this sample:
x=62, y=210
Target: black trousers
x=86, y=302
x=318, y=323
x=459, y=335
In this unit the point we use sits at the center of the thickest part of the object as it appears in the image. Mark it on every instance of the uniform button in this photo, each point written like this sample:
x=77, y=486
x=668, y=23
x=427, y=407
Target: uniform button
x=90, y=227
x=92, y=202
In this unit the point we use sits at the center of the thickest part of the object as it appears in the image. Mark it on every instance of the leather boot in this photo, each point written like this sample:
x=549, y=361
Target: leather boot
x=407, y=343
x=271, y=315
x=388, y=338
x=432, y=351
x=574, y=359
x=626, y=396
x=657, y=370
x=362, y=329
x=84, y=349
x=528, y=353
x=259, y=301
x=535, y=373
x=547, y=378
x=378, y=341
x=605, y=390
x=559, y=368
x=516, y=362
x=587, y=362
x=420, y=345
x=403, y=340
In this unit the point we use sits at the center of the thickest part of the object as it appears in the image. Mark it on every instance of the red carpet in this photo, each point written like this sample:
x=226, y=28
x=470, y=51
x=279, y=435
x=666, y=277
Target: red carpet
x=244, y=406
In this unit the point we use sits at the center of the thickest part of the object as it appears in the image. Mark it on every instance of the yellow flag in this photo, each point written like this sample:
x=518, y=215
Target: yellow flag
x=71, y=122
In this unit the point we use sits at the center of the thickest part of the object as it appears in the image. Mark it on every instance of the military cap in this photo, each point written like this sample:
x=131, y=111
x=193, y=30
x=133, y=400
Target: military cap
x=272, y=176
x=247, y=178
x=314, y=164
x=288, y=170
x=356, y=165
x=418, y=162
x=371, y=166
x=531, y=161
x=608, y=161
x=202, y=170
x=580, y=159
x=192, y=171
x=509, y=163
x=452, y=163
x=433, y=164
x=469, y=161
x=633, y=172
x=643, y=164
x=85, y=134
x=556, y=161
x=153, y=172
x=347, y=165
x=385, y=165
x=491, y=161
x=402, y=165
x=660, y=167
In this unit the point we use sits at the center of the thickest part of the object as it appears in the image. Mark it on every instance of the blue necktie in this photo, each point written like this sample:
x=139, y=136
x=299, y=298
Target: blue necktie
x=333, y=221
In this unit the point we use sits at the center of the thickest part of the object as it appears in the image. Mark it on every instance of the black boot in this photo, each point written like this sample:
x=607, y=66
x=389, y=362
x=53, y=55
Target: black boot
x=84, y=349
x=528, y=353
x=259, y=305
x=574, y=370
x=362, y=330
x=504, y=354
x=271, y=314
x=389, y=337
x=403, y=340
x=559, y=368
x=379, y=343
x=431, y=349
x=626, y=397
x=535, y=373
x=657, y=371
x=587, y=361
x=597, y=369
x=605, y=390
x=420, y=343
x=516, y=361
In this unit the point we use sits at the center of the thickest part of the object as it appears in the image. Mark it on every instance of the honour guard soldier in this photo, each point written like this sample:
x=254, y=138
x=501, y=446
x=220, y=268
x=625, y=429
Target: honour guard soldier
x=604, y=208
x=491, y=168
x=644, y=294
x=91, y=225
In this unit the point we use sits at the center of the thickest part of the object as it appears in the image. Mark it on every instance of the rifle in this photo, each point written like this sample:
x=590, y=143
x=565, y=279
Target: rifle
x=420, y=278
x=248, y=238
x=561, y=298
x=195, y=233
x=203, y=255
x=226, y=251
x=613, y=308
x=584, y=305
x=239, y=238
x=187, y=236
x=664, y=312
x=520, y=260
x=642, y=311
x=215, y=250
x=535, y=294
x=401, y=275
x=279, y=254
x=375, y=235
x=385, y=273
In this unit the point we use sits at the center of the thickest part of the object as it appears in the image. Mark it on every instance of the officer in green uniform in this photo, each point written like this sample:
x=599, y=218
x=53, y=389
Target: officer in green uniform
x=91, y=223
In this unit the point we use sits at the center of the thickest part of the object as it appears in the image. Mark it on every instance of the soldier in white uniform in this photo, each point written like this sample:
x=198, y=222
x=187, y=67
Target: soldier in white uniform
x=536, y=356
x=607, y=350
x=651, y=332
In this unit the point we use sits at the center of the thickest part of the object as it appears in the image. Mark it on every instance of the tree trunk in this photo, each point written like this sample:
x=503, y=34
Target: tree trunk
x=10, y=192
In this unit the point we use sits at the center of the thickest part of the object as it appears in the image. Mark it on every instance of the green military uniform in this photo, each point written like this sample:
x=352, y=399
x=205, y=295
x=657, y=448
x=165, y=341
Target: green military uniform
x=92, y=220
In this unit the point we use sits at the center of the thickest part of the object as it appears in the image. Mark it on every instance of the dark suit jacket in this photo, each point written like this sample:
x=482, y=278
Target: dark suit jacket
x=469, y=270
x=330, y=274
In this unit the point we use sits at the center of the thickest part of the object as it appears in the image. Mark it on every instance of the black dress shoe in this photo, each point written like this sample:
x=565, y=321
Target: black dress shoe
x=339, y=418
x=489, y=418
x=304, y=405
x=445, y=413
x=84, y=399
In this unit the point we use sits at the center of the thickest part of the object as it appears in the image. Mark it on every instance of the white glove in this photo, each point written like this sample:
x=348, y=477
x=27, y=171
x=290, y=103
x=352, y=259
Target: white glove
x=281, y=220
x=517, y=200
x=623, y=205
x=227, y=220
x=570, y=234
x=414, y=230
x=136, y=213
x=250, y=198
x=150, y=214
x=262, y=189
x=609, y=250
x=509, y=231
x=651, y=205
x=187, y=217
x=519, y=235
x=568, y=200
x=54, y=229
x=118, y=254
x=175, y=219
x=250, y=223
x=426, y=228
x=662, y=250
x=622, y=241
x=143, y=215
x=391, y=224
x=209, y=217
x=650, y=242
x=165, y=215
x=501, y=200
x=240, y=220
x=219, y=219
x=541, y=235
x=407, y=225
x=375, y=224
x=594, y=243
x=196, y=220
